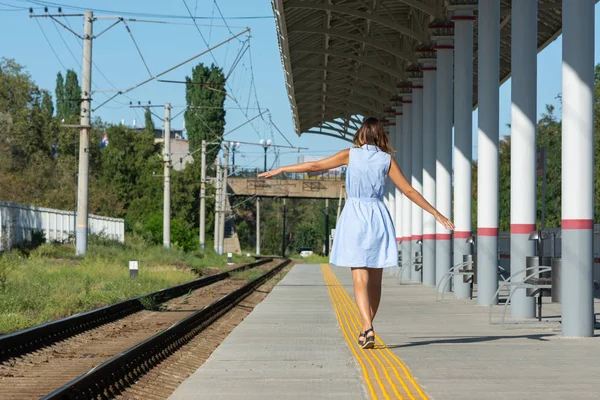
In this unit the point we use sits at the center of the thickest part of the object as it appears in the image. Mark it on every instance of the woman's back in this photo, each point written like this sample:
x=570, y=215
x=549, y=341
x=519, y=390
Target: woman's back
x=367, y=172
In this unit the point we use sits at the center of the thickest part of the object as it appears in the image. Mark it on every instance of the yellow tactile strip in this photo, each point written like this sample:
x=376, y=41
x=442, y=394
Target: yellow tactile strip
x=385, y=374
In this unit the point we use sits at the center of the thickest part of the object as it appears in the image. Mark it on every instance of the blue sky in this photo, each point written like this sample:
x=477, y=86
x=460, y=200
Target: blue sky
x=166, y=45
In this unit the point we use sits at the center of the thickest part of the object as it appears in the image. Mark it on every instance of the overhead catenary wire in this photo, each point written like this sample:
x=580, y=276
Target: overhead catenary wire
x=50, y=44
x=217, y=63
x=137, y=48
x=141, y=14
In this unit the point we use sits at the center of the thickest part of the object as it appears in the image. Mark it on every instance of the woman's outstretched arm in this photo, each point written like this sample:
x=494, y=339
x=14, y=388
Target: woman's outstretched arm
x=334, y=161
x=400, y=181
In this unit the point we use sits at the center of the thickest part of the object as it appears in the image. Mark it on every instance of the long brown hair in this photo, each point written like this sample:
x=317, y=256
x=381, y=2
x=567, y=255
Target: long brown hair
x=371, y=132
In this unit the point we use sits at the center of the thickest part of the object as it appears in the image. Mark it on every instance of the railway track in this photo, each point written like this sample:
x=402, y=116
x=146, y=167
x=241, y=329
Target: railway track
x=28, y=340
x=101, y=361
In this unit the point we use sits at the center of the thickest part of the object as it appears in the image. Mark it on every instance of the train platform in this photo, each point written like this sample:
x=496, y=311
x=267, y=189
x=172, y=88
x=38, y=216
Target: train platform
x=300, y=343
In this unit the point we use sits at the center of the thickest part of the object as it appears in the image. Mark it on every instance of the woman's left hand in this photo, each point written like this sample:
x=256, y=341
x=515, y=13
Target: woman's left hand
x=270, y=174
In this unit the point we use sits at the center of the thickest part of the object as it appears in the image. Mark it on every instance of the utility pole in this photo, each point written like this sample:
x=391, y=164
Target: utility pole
x=167, y=178
x=224, y=199
x=84, y=137
x=258, y=226
x=326, y=227
x=283, y=235
x=217, y=206
x=203, y=197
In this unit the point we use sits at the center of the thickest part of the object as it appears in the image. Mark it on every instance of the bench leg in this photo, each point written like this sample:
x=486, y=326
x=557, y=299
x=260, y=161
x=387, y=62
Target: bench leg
x=539, y=307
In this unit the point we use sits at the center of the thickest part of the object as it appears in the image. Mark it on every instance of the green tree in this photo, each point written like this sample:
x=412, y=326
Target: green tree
x=206, y=88
x=72, y=96
x=47, y=105
x=148, y=122
x=59, y=93
x=504, y=184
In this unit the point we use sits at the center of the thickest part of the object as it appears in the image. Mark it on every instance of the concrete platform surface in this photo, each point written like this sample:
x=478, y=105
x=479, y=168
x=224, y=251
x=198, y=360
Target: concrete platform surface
x=293, y=346
x=455, y=354
x=289, y=347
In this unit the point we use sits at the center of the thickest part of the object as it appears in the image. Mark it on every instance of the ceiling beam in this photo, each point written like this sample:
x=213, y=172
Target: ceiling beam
x=301, y=94
x=364, y=60
x=344, y=113
x=330, y=82
x=359, y=14
x=409, y=57
x=328, y=134
x=427, y=9
x=390, y=88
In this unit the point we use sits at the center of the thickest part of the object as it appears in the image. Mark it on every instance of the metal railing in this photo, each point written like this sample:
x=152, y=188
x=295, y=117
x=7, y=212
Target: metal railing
x=19, y=223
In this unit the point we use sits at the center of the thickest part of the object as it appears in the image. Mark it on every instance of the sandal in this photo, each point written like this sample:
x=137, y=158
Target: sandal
x=361, y=342
x=369, y=342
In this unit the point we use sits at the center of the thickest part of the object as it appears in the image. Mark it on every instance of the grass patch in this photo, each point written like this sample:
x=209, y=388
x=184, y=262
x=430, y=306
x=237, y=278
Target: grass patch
x=249, y=274
x=51, y=282
x=312, y=259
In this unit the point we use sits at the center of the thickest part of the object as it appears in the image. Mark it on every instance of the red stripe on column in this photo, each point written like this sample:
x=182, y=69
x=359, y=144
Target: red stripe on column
x=463, y=18
x=501, y=255
x=522, y=229
x=577, y=224
x=417, y=237
x=398, y=239
x=597, y=260
x=442, y=236
x=488, y=231
x=429, y=236
x=462, y=234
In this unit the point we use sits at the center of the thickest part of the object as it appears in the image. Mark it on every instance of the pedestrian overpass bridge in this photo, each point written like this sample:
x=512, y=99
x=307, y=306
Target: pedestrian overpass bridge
x=290, y=186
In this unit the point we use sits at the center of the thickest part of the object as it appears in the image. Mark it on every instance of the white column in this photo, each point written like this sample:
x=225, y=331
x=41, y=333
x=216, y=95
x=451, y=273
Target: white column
x=488, y=131
x=577, y=292
x=406, y=170
x=386, y=195
x=417, y=173
x=429, y=167
x=390, y=185
x=463, y=141
x=398, y=158
x=398, y=194
x=522, y=147
x=443, y=197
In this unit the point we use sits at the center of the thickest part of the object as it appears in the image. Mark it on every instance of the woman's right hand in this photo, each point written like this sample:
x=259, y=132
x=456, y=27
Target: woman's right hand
x=444, y=221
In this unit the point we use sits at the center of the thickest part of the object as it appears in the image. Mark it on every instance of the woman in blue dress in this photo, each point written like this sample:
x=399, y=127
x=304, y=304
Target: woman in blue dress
x=365, y=238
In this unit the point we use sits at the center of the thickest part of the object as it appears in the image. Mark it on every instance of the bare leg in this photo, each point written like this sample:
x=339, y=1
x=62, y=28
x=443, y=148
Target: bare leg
x=374, y=289
x=360, y=276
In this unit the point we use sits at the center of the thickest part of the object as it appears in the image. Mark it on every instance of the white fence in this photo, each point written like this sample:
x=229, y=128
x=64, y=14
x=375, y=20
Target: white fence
x=19, y=222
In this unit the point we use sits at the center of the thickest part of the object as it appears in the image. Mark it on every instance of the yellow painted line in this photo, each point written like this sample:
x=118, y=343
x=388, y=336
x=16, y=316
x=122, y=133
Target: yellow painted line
x=347, y=308
x=357, y=323
x=360, y=361
x=353, y=318
x=383, y=346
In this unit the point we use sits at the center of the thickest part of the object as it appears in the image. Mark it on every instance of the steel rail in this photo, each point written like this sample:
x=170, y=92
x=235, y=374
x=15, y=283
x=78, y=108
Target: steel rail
x=111, y=377
x=27, y=340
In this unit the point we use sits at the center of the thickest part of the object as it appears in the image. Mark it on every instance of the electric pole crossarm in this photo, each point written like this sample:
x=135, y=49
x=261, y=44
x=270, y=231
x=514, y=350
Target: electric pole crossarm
x=109, y=28
x=52, y=16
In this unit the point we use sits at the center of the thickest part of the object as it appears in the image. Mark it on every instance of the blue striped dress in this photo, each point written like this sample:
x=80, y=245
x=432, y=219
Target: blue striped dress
x=365, y=234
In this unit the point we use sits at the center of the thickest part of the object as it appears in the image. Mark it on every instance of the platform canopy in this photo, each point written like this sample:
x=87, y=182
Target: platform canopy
x=343, y=59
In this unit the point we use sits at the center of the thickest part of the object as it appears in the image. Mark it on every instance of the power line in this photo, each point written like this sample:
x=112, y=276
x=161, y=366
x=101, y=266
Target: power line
x=50, y=44
x=138, y=48
x=150, y=15
x=216, y=62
